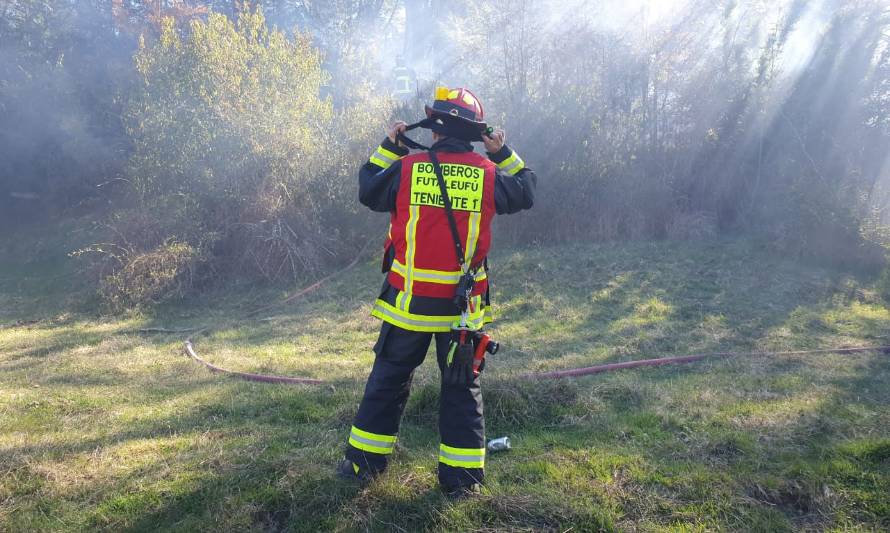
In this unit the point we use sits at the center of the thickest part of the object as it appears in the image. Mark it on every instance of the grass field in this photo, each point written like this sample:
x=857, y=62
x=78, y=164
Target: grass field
x=102, y=428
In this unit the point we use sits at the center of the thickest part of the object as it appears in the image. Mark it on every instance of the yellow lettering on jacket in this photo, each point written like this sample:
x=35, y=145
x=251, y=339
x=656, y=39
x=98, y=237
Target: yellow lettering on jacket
x=464, y=184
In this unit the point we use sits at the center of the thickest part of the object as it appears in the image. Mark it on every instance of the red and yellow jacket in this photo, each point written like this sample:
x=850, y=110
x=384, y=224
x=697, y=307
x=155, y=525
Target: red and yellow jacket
x=419, y=253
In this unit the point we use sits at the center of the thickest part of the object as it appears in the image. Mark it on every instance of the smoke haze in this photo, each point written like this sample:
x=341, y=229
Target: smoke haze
x=671, y=119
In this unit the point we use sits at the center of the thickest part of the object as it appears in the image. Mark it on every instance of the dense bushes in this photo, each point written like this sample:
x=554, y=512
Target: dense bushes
x=216, y=146
x=61, y=137
x=702, y=123
x=151, y=277
x=235, y=155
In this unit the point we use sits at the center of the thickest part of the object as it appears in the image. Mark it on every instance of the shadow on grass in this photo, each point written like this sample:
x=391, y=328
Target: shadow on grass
x=284, y=407
x=677, y=456
x=268, y=484
x=57, y=344
x=651, y=304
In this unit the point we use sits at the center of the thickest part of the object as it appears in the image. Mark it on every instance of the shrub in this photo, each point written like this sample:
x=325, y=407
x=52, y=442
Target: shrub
x=240, y=163
x=226, y=112
x=883, y=285
x=148, y=278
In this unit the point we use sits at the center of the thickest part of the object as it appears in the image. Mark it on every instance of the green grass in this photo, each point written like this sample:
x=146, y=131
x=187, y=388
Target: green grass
x=105, y=429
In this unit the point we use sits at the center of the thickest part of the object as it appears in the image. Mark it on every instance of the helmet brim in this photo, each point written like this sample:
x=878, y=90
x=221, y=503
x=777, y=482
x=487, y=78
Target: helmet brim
x=478, y=124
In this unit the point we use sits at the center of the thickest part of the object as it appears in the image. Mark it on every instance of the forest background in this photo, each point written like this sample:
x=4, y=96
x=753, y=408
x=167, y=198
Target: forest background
x=204, y=140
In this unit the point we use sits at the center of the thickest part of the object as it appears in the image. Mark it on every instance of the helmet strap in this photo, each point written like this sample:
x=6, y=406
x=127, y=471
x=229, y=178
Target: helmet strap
x=411, y=143
x=446, y=128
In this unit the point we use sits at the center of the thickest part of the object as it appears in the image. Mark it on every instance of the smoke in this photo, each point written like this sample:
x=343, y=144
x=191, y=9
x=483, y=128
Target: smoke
x=712, y=106
x=805, y=33
x=60, y=136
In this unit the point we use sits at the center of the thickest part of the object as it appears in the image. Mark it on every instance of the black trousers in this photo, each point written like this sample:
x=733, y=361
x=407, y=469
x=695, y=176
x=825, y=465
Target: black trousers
x=461, y=424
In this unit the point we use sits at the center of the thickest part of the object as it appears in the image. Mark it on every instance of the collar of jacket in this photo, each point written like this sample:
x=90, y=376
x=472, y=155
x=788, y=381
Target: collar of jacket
x=451, y=144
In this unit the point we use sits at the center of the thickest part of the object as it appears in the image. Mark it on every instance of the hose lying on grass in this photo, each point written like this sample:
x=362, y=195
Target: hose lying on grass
x=262, y=378
x=556, y=374
x=569, y=373
x=599, y=369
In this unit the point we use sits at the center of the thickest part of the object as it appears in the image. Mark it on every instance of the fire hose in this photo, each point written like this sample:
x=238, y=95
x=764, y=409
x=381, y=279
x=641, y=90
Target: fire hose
x=676, y=360
x=556, y=374
x=248, y=376
x=569, y=373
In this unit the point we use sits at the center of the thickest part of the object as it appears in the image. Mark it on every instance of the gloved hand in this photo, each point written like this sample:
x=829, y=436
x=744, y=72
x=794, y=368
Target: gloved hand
x=395, y=130
x=459, y=364
x=495, y=141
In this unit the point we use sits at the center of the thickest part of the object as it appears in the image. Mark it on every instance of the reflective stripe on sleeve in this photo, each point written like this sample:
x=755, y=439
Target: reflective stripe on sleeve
x=383, y=158
x=462, y=457
x=371, y=442
x=512, y=165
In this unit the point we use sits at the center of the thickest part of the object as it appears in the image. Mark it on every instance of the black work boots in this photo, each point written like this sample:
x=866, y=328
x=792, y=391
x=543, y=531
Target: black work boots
x=462, y=492
x=349, y=471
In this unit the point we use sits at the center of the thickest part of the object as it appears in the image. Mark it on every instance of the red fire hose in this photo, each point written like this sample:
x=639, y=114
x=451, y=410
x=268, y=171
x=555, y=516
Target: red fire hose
x=599, y=369
x=247, y=376
x=560, y=374
x=556, y=374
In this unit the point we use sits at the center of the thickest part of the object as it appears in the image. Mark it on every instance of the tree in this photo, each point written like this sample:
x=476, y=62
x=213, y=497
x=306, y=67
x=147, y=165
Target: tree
x=61, y=69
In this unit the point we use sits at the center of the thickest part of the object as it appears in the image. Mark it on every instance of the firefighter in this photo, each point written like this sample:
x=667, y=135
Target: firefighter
x=404, y=81
x=416, y=303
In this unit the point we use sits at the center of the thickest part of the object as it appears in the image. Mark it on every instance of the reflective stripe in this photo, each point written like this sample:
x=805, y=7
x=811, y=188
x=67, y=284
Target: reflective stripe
x=393, y=315
x=405, y=300
x=512, y=164
x=380, y=162
x=383, y=158
x=368, y=445
x=387, y=154
x=472, y=237
x=435, y=276
x=410, y=252
x=462, y=457
x=371, y=442
x=426, y=323
x=391, y=439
